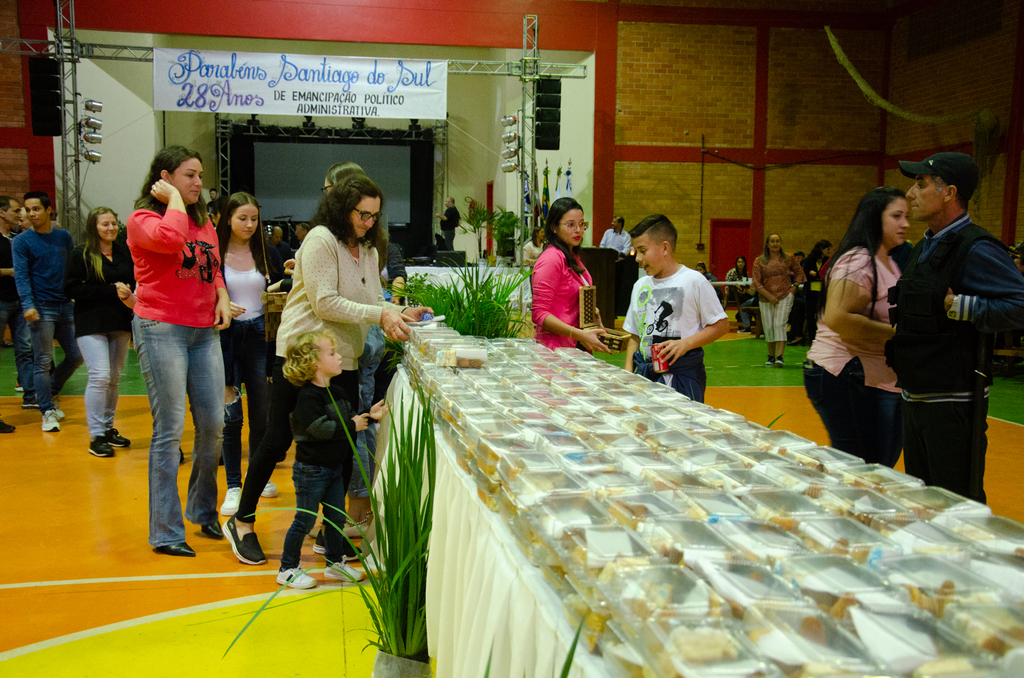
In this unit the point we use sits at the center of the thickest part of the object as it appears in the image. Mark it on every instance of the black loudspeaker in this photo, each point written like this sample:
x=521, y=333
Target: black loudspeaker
x=549, y=114
x=47, y=108
x=450, y=258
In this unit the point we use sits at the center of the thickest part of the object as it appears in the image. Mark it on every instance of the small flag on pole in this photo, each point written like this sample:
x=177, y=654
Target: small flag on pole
x=558, y=183
x=545, y=196
x=568, y=181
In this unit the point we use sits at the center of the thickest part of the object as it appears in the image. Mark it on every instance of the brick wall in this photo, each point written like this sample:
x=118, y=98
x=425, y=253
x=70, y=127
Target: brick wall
x=674, y=78
x=806, y=203
x=673, y=189
x=812, y=101
x=784, y=5
x=1020, y=206
x=976, y=74
x=13, y=161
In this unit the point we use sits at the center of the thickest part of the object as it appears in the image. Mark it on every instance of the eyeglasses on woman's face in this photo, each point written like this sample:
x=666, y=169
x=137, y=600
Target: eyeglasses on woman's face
x=368, y=216
x=572, y=225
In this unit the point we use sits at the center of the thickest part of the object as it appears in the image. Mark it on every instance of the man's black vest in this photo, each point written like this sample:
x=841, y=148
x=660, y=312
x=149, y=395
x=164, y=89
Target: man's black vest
x=931, y=353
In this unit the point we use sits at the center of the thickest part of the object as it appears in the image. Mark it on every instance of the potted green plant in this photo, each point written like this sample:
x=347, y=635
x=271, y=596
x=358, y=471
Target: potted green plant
x=505, y=225
x=476, y=222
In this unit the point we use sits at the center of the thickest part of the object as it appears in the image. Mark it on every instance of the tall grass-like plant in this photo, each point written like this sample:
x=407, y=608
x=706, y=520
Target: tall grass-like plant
x=478, y=303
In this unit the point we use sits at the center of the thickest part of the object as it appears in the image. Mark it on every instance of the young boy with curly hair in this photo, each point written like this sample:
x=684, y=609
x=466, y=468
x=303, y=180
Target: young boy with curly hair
x=323, y=426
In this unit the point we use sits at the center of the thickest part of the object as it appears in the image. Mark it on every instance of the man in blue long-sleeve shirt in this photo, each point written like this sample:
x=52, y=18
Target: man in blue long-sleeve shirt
x=40, y=255
x=959, y=284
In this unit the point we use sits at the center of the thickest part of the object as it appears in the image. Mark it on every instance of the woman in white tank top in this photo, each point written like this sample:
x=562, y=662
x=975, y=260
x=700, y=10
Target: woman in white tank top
x=250, y=265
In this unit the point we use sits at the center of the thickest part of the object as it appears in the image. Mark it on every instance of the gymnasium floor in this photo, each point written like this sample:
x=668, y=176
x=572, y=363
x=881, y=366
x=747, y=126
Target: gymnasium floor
x=82, y=594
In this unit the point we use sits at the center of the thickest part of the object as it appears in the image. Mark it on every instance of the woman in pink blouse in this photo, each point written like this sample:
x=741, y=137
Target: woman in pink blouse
x=558, y=276
x=846, y=377
x=774, y=276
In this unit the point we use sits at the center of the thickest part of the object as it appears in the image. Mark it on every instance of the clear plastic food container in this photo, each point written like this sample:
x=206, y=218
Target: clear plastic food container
x=603, y=484
x=466, y=405
x=1006, y=572
x=560, y=444
x=743, y=584
x=726, y=441
x=596, y=552
x=846, y=536
x=755, y=459
x=878, y=477
x=866, y=505
x=590, y=461
x=530, y=487
x=993, y=534
x=990, y=628
x=557, y=519
x=634, y=510
x=671, y=440
x=836, y=582
x=929, y=502
x=716, y=505
x=739, y=481
x=638, y=593
x=802, y=641
x=782, y=442
x=923, y=538
x=823, y=458
x=514, y=463
x=801, y=478
x=934, y=582
x=707, y=648
x=643, y=426
x=759, y=541
x=489, y=425
x=616, y=441
x=785, y=508
x=913, y=643
x=696, y=459
x=684, y=541
x=637, y=462
x=675, y=479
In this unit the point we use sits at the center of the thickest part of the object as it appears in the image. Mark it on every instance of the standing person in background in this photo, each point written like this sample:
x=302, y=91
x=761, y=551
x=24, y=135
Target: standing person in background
x=181, y=304
x=300, y=232
x=774, y=276
x=449, y=222
x=100, y=278
x=249, y=265
x=847, y=380
x=10, y=305
x=672, y=306
x=557, y=278
x=814, y=272
x=40, y=256
x=277, y=241
x=213, y=194
x=617, y=238
x=959, y=285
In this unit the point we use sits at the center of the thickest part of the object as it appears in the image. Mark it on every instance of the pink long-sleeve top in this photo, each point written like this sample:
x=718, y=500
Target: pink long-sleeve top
x=777, y=276
x=177, y=268
x=556, y=290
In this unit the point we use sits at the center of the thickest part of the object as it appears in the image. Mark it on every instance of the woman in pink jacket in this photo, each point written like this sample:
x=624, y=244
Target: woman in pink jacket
x=558, y=276
x=181, y=304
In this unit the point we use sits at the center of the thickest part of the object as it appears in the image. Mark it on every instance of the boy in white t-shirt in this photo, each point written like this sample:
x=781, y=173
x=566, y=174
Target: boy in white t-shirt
x=674, y=306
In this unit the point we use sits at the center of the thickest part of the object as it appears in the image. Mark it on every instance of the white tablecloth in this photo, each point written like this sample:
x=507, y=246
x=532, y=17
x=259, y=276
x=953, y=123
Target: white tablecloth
x=448, y=275
x=483, y=592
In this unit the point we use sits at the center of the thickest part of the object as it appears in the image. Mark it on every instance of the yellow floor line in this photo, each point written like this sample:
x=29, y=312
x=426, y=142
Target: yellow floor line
x=154, y=577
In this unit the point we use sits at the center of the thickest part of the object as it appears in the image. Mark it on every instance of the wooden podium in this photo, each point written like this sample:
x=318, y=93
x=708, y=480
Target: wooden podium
x=601, y=264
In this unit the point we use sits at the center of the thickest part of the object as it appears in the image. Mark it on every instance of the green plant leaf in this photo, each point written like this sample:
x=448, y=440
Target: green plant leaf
x=776, y=419
x=572, y=652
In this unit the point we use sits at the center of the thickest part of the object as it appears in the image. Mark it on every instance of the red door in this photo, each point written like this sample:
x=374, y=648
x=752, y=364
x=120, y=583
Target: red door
x=730, y=238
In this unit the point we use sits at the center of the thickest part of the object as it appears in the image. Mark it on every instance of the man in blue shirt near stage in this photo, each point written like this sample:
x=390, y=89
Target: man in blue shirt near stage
x=40, y=255
x=959, y=286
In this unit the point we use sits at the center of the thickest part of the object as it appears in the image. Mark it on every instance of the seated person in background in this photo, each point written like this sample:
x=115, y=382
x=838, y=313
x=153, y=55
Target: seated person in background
x=533, y=248
x=703, y=270
x=743, y=296
x=394, y=273
x=672, y=306
x=617, y=238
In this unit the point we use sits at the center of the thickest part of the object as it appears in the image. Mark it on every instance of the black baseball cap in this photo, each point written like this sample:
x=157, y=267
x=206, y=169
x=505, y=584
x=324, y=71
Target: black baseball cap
x=956, y=169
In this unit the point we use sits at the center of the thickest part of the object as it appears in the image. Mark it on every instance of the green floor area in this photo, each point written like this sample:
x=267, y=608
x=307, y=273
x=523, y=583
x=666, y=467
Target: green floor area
x=737, y=362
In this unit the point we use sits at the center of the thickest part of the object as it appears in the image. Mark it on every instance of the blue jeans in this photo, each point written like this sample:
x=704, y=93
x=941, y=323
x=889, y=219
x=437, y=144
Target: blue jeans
x=248, y=353
x=104, y=359
x=56, y=321
x=366, y=441
x=315, y=485
x=744, y=316
x=180, y=362
x=11, y=314
x=862, y=420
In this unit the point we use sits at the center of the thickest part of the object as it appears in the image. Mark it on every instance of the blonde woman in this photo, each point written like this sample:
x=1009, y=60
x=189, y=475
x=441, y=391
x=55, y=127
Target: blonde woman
x=775, y=275
x=100, y=277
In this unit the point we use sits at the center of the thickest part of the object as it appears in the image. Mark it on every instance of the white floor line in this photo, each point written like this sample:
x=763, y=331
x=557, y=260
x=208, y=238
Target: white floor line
x=155, y=577
x=160, y=616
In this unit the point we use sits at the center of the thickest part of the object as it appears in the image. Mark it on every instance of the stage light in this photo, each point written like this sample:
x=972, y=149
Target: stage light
x=92, y=156
x=509, y=120
x=274, y=130
x=510, y=166
x=414, y=125
x=358, y=123
x=509, y=137
x=323, y=132
x=252, y=121
x=93, y=106
x=397, y=134
x=93, y=137
x=293, y=131
x=509, y=153
x=309, y=124
x=92, y=123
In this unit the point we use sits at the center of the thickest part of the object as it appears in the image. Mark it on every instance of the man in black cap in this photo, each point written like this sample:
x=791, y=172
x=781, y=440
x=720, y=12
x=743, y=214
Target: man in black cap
x=958, y=285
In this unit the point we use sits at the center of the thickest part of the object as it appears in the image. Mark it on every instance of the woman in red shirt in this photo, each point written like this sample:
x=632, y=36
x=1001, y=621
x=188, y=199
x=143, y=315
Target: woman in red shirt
x=181, y=303
x=558, y=276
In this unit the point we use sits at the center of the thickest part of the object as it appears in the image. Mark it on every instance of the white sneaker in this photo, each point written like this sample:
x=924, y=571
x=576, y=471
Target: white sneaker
x=50, y=422
x=295, y=578
x=270, y=491
x=231, y=499
x=56, y=407
x=343, y=572
x=18, y=388
x=370, y=564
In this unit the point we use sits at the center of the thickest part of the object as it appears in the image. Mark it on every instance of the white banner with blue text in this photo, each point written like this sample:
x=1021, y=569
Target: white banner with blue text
x=298, y=84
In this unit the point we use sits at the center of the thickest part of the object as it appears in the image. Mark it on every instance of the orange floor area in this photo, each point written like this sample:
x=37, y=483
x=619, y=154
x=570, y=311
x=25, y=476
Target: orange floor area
x=90, y=516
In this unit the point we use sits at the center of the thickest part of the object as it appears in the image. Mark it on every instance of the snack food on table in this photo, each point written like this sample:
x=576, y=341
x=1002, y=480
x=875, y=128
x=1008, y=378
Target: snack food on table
x=934, y=583
x=696, y=459
x=634, y=509
x=782, y=442
x=670, y=479
x=929, y=502
x=836, y=582
x=726, y=441
x=715, y=506
x=702, y=649
x=739, y=481
x=878, y=477
x=823, y=458
x=864, y=504
x=743, y=584
x=928, y=539
x=846, y=536
x=801, y=478
x=785, y=508
x=994, y=534
x=992, y=628
x=604, y=484
x=637, y=593
x=759, y=541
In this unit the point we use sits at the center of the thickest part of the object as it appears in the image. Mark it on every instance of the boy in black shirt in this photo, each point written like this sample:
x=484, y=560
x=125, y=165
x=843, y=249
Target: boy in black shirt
x=324, y=427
